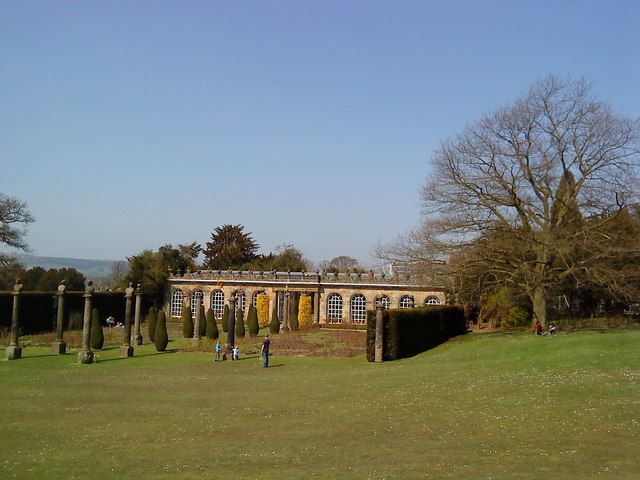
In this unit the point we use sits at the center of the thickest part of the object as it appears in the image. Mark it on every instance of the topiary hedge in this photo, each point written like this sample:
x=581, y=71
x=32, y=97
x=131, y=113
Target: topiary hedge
x=187, y=322
x=408, y=332
x=203, y=322
x=305, y=315
x=252, y=321
x=239, y=324
x=97, y=336
x=225, y=319
x=212, y=326
x=161, y=337
x=263, y=310
x=274, y=324
x=151, y=323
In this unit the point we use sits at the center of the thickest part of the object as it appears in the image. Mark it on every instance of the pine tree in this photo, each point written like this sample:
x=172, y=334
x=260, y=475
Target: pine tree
x=97, y=337
x=274, y=325
x=187, y=322
x=239, y=324
x=203, y=322
x=252, y=321
x=161, y=337
x=151, y=323
x=212, y=326
x=293, y=319
x=225, y=319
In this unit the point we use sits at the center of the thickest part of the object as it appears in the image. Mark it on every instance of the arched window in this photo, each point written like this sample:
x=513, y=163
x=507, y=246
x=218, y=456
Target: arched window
x=193, y=303
x=385, y=302
x=358, y=309
x=176, y=303
x=432, y=300
x=240, y=300
x=406, y=302
x=255, y=297
x=217, y=304
x=334, y=308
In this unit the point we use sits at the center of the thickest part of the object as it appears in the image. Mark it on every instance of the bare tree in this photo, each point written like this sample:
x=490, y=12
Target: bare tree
x=342, y=263
x=528, y=189
x=119, y=270
x=12, y=212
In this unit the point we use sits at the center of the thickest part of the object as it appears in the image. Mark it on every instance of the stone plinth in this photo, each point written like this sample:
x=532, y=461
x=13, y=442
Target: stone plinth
x=14, y=352
x=59, y=348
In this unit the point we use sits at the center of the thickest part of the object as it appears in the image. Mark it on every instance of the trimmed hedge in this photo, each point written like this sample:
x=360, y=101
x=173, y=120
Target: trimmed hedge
x=252, y=321
x=187, y=322
x=240, y=332
x=274, y=325
x=408, y=332
x=212, y=326
x=97, y=336
x=203, y=322
x=161, y=337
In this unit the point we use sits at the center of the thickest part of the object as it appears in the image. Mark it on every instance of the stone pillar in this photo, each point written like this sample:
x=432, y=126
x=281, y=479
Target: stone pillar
x=198, y=319
x=85, y=355
x=14, y=350
x=316, y=307
x=126, y=350
x=59, y=347
x=137, y=336
x=379, y=342
x=284, y=326
x=273, y=301
x=231, y=335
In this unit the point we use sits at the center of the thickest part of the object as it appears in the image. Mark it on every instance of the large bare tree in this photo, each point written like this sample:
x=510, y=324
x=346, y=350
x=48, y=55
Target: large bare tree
x=13, y=212
x=525, y=194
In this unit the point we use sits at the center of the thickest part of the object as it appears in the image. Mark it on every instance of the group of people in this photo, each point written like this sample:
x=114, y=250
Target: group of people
x=235, y=352
x=538, y=329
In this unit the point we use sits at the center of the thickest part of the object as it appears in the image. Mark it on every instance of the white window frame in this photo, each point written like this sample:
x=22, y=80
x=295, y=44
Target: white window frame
x=406, y=302
x=385, y=302
x=334, y=308
x=217, y=304
x=255, y=297
x=177, y=297
x=432, y=300
x=358, y=309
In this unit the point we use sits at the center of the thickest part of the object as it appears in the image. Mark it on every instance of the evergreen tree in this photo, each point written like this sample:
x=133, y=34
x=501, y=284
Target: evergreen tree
x=187, y=322
x=239, y=324
x=151, y=323
x=274, y=325
x=293, y=318
x=212, y=326
x=203, y=322
x=225, y=319
x=252, y=321
x=97, y=337
x=161, y=337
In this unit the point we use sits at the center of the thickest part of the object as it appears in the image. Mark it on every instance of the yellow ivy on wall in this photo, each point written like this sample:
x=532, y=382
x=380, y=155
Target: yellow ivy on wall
x=263, y=309
x=305, y=318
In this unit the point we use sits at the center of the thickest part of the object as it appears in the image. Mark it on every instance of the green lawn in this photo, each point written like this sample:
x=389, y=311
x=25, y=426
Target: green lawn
x=496, y=406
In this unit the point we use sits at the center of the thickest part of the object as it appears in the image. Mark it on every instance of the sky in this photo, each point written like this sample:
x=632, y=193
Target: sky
x=129, y=125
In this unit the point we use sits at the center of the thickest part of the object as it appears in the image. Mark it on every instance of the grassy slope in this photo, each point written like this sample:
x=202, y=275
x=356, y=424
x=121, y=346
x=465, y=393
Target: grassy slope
x=484, y=406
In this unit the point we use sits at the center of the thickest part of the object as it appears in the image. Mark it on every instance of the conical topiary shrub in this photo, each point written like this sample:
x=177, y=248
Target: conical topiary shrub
x=151, y=323
x=203, y=322
x=161, y=338
x=293, y=317
x=187, y=322
x=274, y=325
x=263, y=310
x=97, y=337
x=212, y=326
x=252, y=321
x=225, y=319
x=239, y=324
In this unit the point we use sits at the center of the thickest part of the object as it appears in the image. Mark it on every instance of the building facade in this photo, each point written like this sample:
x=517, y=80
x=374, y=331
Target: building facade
x=337, y=298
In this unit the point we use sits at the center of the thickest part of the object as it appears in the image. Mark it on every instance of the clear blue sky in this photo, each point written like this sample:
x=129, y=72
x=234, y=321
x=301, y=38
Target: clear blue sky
x=127, y=125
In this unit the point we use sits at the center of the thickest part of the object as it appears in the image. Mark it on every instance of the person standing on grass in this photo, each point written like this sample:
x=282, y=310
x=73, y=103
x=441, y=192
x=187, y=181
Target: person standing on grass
x=264, y=350
x=217, y=349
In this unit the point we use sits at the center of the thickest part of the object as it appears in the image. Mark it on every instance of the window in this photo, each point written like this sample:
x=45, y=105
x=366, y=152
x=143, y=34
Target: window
x=406, y=302
x=217, y=304
x=176, y=303
x=255, y=297
x=432, y=301
x=384, y=301
x=334, y=308
x=194, y=302
x=358, y=309
x=240, y=301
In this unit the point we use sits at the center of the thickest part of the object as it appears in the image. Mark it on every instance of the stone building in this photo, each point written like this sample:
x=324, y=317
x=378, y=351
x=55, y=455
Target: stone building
x=337, y=298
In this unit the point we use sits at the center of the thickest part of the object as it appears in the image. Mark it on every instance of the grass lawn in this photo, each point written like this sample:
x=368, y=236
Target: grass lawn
x=499, y=406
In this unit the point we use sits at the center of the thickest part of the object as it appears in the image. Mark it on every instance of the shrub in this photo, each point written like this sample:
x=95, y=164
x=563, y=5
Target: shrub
x=187, y=322
x=212, y=326
x=239, y=323
x=408, y=332
x=151, y=323
x=97, y=336
x=305, y=315
x=225, y=319
x=293, y=316
x=263, y=310
x=274, y=325
x=161, y=337
x=203, y=322
x=252, y=321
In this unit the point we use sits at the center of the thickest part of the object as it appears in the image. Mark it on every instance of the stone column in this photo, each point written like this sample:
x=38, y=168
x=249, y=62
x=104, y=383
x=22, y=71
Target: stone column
x=273, y=301
x=198, y=319
x=379, y=343
x=126, y=350
x=231, y=335
x=59, y=347
x=284, y=326
x=136, y=317
x=316, y=307
x=85, y=355
x=14, y=350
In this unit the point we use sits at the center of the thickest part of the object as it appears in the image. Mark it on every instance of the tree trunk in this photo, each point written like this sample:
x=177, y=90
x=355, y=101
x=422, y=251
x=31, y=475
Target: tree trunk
x=539, y=301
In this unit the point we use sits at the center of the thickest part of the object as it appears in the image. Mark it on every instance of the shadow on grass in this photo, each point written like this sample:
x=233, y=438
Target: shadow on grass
x=153, y=354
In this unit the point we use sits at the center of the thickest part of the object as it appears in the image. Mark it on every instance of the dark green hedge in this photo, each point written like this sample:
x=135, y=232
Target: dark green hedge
x=38, y=310
x=408, y=332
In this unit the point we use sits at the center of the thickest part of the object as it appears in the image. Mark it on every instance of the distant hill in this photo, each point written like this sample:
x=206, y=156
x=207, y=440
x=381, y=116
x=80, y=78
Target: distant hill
x=90, y=268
